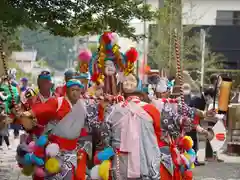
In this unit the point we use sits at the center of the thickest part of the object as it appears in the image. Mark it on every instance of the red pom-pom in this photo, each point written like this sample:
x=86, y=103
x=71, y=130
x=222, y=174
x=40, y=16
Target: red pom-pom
x=39, y=152
x=132, y=55
x=106, y=38
x=94, y=77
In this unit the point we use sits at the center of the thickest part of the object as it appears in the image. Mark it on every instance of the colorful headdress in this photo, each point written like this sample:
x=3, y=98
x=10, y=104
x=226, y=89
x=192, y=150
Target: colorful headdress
x=108, y=50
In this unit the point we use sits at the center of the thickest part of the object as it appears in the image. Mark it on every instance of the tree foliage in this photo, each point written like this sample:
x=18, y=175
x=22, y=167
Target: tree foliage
x=74, y=17
x=162, y=48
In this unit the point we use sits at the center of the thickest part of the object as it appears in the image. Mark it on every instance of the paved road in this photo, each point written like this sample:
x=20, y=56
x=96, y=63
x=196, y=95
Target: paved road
x=230, y=170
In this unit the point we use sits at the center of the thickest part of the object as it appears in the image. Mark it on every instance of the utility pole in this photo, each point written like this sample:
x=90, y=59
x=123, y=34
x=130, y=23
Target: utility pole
x=203, y=45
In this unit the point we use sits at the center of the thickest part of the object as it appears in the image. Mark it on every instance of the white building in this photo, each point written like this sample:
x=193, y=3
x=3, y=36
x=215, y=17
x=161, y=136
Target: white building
x=25, y=59
x=211, y=12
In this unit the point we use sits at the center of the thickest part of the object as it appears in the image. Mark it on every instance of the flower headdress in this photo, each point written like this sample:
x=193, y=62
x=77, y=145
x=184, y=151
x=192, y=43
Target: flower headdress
x=108, y=50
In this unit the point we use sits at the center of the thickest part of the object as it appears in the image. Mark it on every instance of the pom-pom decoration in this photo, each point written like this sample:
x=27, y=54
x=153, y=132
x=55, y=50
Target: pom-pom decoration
x=28, y=170
x=106, y=154
x=36, y=160
x=106, y=37
x=185, y=161
x=52, y=149
x=131, y=55
x=28, y=158
x=42, y=141
x=94, y=173
x=85, y=56
x=31, y=146
x=39, y=152
x=104, y=168
x=52, y=165
x=186, y=143
x=115, y=38
x=39, y=172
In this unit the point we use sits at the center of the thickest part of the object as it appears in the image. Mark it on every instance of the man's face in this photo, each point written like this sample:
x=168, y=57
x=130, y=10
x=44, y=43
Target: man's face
x=74, y=93
x=130, y=84
x=45, y=84
x=110, y=68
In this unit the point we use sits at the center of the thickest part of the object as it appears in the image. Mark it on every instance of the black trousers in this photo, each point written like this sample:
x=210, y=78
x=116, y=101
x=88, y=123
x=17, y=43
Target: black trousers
x=193, y=135
x=208, y=149
x=6, y=139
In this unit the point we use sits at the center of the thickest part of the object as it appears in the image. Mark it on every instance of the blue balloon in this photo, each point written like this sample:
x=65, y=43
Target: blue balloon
x=106, y=154
x=28, y=158
x=38, y=161
x=42, y=141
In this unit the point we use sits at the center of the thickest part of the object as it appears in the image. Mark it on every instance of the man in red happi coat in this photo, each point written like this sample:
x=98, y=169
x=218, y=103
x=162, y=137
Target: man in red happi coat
x=61, y=90
x=44, y=82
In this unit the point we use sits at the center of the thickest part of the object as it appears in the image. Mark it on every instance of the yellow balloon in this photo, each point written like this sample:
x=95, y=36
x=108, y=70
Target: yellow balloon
x=28, y=170
x=52, y=165
x=103, y=170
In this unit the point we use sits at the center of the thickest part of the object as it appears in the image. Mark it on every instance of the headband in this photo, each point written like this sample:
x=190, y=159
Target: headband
x=74, y=82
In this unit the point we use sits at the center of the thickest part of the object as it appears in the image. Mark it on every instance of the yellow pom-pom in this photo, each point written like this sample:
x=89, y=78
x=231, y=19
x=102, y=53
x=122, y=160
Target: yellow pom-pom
x=52, y=165
x=28, y=170
x=103, y=170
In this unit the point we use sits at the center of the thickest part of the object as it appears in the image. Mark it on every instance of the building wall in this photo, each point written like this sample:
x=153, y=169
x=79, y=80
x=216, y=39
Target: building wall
x=204, y=12
x=26, y=66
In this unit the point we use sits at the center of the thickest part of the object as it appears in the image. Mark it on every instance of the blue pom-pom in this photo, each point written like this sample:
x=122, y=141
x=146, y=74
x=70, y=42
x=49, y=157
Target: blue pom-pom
x=109, y=46
x=106, y=154
x=28, y=158
x=42, y=141
x=191, y=152
x=38, y=161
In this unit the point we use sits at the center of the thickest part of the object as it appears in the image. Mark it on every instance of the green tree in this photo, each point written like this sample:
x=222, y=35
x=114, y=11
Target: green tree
x=70, y=18
x=162, y=47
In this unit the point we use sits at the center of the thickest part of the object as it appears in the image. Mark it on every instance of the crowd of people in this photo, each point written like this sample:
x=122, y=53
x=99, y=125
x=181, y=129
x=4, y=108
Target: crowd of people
x=104, y=127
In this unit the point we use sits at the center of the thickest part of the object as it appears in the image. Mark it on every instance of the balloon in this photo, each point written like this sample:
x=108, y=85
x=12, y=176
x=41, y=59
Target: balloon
x=52, y=149
x=39, y=172
x=28, y=170
x=42, y=141
x=52, y=165
x=31, y=146
x=85, y=56
x=94, y=173
x=104, y=169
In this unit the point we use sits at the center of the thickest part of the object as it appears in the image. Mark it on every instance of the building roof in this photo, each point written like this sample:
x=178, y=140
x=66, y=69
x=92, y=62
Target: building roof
x=24, y=56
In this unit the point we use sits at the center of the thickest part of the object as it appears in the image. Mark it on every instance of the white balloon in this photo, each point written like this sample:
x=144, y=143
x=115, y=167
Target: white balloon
x=115, y=38
x=94, y=173
x=52, y=149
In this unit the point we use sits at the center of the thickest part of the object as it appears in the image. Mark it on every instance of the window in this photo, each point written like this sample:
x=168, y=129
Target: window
x=228, y=18
x=236, y=17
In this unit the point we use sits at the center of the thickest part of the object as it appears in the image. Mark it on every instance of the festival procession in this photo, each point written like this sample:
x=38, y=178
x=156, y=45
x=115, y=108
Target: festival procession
x=105, y=124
